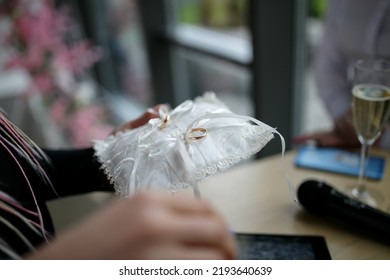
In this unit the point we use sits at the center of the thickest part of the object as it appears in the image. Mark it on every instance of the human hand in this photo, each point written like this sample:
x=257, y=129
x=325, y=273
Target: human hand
x=151, y=113
x=146, y=226
x=342, y=135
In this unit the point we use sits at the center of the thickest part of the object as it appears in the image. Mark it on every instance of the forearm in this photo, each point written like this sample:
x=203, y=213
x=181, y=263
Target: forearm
x=75, y=172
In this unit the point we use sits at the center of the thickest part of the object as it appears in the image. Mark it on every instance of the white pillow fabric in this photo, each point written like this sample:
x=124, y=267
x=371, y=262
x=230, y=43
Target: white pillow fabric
x=195, y=140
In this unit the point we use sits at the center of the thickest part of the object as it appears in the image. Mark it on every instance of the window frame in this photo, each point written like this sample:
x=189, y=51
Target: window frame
x=276, y=60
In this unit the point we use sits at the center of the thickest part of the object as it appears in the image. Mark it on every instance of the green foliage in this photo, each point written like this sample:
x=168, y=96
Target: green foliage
x=317, y=8
x=213, y=13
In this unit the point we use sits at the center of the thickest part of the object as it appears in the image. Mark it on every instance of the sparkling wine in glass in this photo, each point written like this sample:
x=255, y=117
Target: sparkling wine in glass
x=370, y=112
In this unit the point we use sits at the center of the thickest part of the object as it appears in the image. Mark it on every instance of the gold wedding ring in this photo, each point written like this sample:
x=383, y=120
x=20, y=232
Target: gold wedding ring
x=164, y=121
x=196, y=133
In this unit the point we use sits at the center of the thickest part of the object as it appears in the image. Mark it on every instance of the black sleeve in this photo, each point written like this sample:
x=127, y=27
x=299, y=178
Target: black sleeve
x=75, y=172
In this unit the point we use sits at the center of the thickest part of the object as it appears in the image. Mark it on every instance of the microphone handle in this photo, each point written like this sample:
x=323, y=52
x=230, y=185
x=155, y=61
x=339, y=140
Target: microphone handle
x=337, y=206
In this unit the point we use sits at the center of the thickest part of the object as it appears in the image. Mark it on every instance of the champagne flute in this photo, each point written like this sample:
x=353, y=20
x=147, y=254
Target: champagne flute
x=370, y=112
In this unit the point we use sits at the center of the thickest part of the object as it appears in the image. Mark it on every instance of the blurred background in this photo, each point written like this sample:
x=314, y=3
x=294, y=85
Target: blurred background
x=72, y=70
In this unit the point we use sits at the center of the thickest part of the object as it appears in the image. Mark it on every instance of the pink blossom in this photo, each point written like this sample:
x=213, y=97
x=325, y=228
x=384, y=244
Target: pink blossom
x=50, y=26
x=58, y=110
x=43, y=83
x=35, y=58
x=78, y=57
x=15, y=62
x=85, y=125
x=37, y=38
x=44, y=27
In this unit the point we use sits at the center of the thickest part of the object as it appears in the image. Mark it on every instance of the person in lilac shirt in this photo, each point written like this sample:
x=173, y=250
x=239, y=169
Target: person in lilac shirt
x=353, y=30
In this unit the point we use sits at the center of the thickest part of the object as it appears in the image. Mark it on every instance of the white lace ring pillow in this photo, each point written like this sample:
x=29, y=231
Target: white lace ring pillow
x=195, y=140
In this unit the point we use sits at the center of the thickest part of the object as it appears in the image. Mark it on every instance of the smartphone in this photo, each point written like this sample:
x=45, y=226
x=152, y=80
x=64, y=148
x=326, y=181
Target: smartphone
x=338, y=161
x=281, y=247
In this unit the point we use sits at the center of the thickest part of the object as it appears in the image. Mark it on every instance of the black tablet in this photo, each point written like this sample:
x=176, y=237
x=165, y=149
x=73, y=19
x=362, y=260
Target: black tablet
x=281, y=247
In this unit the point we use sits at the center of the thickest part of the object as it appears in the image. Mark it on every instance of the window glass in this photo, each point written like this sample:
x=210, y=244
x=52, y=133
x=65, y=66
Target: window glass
x=223, y=15
x=201, y=73
x=218, y=28
x=128, y=51
x=315, y=117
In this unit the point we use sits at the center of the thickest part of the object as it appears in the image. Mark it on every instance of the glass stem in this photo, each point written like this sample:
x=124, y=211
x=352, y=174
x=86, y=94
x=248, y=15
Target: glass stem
x=365, y=150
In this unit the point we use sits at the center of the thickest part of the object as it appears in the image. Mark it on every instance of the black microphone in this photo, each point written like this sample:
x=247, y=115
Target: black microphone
x=322, y=199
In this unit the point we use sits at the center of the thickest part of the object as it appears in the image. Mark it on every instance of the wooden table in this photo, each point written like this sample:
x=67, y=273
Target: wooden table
x=254, y=197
